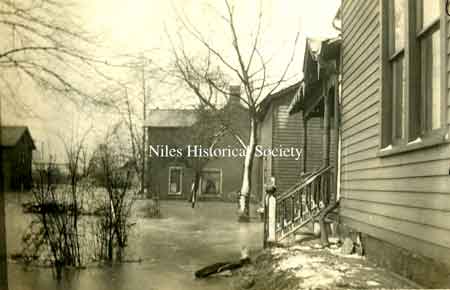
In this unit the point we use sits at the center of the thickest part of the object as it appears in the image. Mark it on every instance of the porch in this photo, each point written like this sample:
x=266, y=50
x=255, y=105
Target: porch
x=314, y=198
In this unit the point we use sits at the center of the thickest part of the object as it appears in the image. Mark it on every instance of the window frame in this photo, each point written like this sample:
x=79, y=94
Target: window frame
x=214, y=170
x=413, y=97
x=181, y=181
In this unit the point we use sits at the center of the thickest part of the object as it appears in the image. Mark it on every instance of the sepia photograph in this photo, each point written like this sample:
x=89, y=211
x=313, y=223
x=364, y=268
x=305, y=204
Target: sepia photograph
x=224, y=144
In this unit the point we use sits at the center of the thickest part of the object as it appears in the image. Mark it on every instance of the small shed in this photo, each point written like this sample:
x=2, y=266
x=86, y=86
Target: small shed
x=16, y=146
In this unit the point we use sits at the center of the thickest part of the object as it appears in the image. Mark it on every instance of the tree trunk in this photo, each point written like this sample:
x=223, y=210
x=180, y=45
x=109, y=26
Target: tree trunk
x=244, y=198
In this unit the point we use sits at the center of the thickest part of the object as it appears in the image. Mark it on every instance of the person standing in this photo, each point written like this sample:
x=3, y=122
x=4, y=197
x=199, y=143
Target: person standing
x=193, y=193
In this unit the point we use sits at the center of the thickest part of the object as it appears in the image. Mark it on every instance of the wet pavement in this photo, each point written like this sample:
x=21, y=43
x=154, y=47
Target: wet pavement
x=170, y=250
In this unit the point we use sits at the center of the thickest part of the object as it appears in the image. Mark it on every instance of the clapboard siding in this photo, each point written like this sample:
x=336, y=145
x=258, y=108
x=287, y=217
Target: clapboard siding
x=421, y=200
x=403, y=199
x=359, y=15
x=366, y=123
x=431, y=250
x=363, y=49
x=266, y=141
x=427, y=234
x=369, y=109
x=422, y=169
x=415, y=157
x=369, y=56
x=439, y=219
x=361, y=98
x=447, y=30
x=287, y=132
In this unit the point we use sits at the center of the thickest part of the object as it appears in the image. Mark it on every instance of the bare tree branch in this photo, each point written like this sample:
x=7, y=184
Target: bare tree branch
x=252, y=71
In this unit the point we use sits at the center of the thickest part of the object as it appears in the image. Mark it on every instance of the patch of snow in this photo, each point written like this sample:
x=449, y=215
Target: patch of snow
x=317, y=246
x=314, y=271
x=387, y=148
x=418, y=140
x=337, y=252
x=293, y=262
x=333, y=240
x=226, y=273
x=372, y=283
x=296, y=261
x=279, y=251
x=322, y=279
x=300, y=248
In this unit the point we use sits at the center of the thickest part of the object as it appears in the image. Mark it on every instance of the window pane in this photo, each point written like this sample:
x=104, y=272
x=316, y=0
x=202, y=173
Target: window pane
x=431, y=80
x=399, y=24
x=435, y=80
x=430, y=11
x=210, y=182
x=175, y=180
x=398, y=98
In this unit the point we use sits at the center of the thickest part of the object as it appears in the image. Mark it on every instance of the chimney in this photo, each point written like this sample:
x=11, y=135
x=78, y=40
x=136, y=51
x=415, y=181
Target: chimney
x=235, y=94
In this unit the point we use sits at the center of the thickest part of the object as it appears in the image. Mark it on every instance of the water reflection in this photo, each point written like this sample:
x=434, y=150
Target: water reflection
x=170, y=249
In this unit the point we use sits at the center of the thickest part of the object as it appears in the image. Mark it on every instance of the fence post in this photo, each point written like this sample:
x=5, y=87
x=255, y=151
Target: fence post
x=270, y=205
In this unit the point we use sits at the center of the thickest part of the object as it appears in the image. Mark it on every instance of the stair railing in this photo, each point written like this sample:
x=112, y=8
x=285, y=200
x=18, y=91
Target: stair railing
x=299, y=205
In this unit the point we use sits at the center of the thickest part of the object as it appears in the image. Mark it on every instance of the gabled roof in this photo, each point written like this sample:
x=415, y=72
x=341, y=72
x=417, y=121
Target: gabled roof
x=297, y=101
x=317, y=52
x=312, y=50
x=171, y=118
x=323, y=48
x=11, y=135
x=265, y=104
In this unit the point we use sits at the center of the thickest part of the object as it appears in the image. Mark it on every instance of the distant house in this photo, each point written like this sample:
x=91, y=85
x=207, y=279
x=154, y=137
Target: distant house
x=16, y=155
x=277, y=129
x=171, y=177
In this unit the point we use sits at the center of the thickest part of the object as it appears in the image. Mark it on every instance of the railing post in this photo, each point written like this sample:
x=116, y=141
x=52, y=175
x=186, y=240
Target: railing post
x=270, y=220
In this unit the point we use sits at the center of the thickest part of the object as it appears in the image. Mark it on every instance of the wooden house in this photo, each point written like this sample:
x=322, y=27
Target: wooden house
x=279, y=128
x=314, y=196
x=316, y=101
x=172, y=177
x=395, y=183
x=16, y=147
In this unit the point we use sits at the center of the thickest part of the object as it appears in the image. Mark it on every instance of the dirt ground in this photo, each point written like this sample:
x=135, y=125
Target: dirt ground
x=308, y=266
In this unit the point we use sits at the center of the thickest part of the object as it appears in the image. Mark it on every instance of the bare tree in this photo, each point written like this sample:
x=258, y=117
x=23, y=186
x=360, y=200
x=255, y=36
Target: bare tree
x=45, y=47
x=113, y=223
x=211, y=72
x=130, y=99
x=76, y=154
x=55, y=227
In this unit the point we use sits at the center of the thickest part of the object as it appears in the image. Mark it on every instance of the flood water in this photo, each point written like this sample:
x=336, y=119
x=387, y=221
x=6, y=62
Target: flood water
x=171, y=249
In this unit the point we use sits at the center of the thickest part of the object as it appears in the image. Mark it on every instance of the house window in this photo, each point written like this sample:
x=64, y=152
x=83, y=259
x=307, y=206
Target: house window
x=211, y=181
x=412, y=97
x=175, y=180
x=428, y=38
x=397, y=34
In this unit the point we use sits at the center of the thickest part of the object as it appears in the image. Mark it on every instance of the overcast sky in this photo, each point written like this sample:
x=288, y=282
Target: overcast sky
x=136, y=26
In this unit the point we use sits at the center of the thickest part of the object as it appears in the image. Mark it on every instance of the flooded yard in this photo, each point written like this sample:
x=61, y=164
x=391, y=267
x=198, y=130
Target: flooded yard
x=168, y=250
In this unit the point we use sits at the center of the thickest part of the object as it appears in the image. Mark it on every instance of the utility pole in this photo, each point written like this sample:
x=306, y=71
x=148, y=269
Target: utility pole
x=143, y=126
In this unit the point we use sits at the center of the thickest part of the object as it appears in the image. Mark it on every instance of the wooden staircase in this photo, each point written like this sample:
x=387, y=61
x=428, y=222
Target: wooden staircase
x=296, y=207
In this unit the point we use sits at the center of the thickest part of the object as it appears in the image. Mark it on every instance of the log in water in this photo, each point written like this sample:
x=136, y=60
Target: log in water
x=220, y=267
